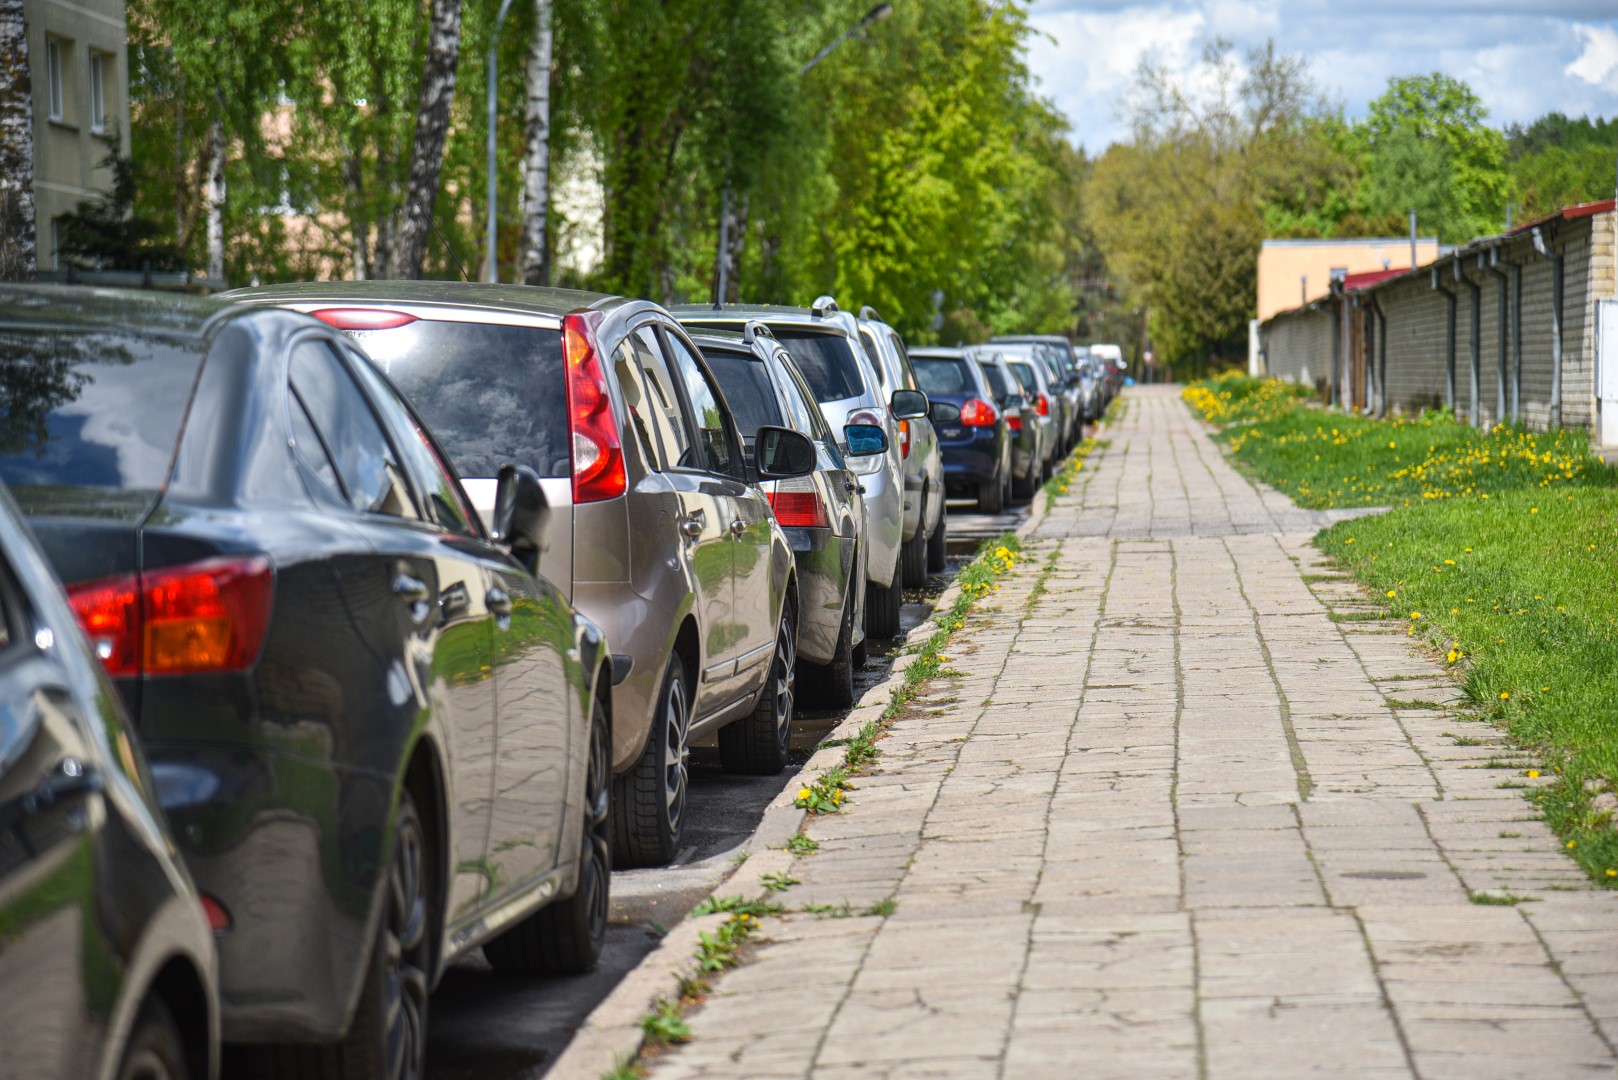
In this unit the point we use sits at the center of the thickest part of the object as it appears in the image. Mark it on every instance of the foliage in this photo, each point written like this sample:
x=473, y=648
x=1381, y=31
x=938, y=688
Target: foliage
x=1558, y=162
x=106, y=234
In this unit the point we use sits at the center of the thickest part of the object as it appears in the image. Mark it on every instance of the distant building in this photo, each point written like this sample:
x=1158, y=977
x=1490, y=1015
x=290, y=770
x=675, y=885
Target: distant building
x=79, y=68
x=1294, y=272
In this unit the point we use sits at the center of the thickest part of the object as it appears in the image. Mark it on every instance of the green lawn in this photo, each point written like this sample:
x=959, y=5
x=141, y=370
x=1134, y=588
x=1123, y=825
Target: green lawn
x=1501, y=550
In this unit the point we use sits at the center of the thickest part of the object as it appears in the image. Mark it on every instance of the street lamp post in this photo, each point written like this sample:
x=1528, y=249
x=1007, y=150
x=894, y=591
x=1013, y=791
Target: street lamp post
x=722, y=258
x=491, y=266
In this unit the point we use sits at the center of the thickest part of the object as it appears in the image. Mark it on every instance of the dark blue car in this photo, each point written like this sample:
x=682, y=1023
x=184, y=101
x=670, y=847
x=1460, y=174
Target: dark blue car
x=977, y=447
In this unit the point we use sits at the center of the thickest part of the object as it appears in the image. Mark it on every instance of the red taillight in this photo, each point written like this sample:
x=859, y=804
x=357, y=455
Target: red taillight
x=219, y=919
x=798, y=505
x=358, y=318
x=598, y=456
x=978, y=413
x=1014, y=421
x=904, y=438
x=181, y=620
x=1042, y=404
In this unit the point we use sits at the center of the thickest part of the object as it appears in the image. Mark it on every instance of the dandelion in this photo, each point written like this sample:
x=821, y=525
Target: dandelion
x=804, y=793
x=1449, y=562
x=1392, y=593
x=1505, y=695
x=1415, y=614
x=1611, y=872
x=1533, y=509
x=1571, y=844
x=1533, y=774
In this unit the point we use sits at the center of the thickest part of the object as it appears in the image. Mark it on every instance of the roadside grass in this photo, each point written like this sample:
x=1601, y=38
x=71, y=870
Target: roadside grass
x=1498, y=555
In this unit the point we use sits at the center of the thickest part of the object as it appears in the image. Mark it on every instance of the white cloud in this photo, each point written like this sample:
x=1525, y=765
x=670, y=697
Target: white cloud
x=1598, y=63
x=1524, y=58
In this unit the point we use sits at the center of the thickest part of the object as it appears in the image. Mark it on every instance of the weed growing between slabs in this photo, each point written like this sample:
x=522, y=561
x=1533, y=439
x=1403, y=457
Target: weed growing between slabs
x=1498, y=555
x=1068, y=472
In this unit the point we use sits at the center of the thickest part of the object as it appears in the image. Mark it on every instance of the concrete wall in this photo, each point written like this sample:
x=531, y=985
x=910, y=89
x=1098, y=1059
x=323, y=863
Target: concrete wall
x=1297, y=344
x=67, y=153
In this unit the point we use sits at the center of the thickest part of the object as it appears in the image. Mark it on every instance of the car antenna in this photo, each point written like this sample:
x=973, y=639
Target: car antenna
x=451, y=251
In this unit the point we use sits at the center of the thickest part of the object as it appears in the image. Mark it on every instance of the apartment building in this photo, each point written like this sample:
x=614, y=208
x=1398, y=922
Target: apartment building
x=79, y=68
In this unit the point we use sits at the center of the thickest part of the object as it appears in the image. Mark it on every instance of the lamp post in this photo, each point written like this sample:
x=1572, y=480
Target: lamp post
x=722, y=257
x=491, y=268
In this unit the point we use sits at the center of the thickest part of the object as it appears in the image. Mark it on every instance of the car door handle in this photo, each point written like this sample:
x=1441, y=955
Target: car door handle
x=413, y=591
x=454, y=600
x=499, y=601
x=737, y=526
x=693, y=524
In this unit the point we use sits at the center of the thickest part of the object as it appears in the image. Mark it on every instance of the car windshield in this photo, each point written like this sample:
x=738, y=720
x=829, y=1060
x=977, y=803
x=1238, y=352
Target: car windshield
x=996, y=380
x=942, y=374
x=1025, y=375
x=827, y=362
x=491, y=394
x=747, y=389
x=97, y=410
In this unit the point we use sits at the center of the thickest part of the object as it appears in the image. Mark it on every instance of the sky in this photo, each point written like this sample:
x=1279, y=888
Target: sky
x=1523, y=58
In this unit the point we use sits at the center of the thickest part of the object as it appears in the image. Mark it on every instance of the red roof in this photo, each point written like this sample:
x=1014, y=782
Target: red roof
x=1568, y=213
x=1365, y=279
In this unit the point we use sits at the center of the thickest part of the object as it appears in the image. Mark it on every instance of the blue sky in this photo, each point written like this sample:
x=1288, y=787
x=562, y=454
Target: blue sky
x=1522, y=58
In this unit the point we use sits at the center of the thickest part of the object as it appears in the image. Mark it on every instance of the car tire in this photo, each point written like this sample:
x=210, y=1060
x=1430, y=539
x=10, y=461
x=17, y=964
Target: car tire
x=388, y=1037
x=991, y=496
x=831, y=686
x=882, y=603
x=566, y=936
x=155, y=1050
x=938, y=546
x=913, y=557
x=760, y=744
x=648, y=801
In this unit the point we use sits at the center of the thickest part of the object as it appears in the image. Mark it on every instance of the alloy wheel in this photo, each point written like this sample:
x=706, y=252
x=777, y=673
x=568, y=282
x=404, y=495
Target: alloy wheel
x=404, y=941
x=596, y=866
x=784, y=676
x=676, y=754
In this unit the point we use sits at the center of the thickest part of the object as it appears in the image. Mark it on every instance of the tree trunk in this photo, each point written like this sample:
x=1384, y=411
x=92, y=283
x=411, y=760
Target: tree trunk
x=18, y=255
x=534, y=262
x=432, y=128
x=216, y=195
x=359, y=230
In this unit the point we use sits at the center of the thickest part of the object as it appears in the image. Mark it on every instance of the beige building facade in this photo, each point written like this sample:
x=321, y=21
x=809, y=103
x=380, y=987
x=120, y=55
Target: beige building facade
x=79, y=68
x=1296, y=272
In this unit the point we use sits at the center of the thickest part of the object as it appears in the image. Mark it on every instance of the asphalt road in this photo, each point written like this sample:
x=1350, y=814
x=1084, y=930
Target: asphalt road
x=496, y=1027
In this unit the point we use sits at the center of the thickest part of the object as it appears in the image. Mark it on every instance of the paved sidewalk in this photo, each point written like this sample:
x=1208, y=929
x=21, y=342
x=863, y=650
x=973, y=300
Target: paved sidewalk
x=1173, y=820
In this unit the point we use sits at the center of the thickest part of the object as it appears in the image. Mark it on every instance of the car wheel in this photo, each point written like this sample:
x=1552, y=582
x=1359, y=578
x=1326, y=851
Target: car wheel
x=882, y=603
x=155, y=1050
x=913, y=557
x=761, y=743
x=938, y=546
x=565, y=937
x=991, y=496
x=648, y=801
x=831, y=686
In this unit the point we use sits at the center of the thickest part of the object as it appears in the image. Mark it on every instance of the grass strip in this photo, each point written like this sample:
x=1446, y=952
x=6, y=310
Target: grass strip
x=1498, y=554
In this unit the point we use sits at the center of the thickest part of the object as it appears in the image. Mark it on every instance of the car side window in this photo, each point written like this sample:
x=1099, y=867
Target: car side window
x=445, y=500
x=806, y=414
x=638, y=401
x=868, y=340
x=662, y=400
x=367, y=472
x=907, y=374
x=707, y=414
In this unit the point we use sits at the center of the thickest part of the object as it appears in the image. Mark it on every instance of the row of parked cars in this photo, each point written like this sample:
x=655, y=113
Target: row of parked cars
x=418, y=595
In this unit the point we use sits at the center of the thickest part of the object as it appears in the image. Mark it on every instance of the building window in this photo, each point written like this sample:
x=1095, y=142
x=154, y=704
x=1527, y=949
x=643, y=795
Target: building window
x=53, y=78
x=98, y=93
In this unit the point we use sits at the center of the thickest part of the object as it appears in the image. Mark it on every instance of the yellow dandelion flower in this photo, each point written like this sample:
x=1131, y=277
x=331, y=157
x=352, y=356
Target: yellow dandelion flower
x=1415, y=614
x=1392, y=593
x=1533, y=774
x=804, y=793
x=1611, y=872
x=1572, y=844
x=1505, y=695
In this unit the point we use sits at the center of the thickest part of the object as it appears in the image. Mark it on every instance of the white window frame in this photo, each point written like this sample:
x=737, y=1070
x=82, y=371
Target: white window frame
x=98, y=92
x=56, y=97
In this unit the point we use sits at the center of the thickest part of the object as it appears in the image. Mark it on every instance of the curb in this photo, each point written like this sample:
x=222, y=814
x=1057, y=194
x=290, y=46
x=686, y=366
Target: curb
x=611, y=1035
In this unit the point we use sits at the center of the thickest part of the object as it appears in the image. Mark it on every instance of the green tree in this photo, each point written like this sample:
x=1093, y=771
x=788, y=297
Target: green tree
x=1557, y=162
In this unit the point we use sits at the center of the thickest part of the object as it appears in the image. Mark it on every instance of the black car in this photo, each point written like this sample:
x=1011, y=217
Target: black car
x=1027, y=445
x=379, y=740
x=106, y=956
x=977, y=445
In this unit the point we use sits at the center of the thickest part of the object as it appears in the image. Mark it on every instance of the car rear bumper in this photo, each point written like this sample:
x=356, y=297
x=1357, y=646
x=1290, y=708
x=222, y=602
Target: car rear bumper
x=825, y=564
x=967, y=464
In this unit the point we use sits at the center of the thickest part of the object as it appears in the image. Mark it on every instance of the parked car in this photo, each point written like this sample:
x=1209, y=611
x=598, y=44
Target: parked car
x=380, y=741
x=1027, y=438
x=820, y=513
x=106, y=955
x=661, y=536
x=825, y=343
x=1031, y=375
x=1113, y=365
x=926, y=525
x=977, y=446
x=1072, y=359
x=1063, y=392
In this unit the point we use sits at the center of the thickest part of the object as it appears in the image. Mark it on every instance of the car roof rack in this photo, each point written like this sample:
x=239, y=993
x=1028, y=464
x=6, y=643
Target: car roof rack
x=823, y=306
x=868, y=313
x=756, y=328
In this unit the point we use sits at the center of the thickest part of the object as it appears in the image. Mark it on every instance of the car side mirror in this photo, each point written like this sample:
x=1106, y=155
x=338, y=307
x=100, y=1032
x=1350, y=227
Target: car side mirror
x=522, y=517
x=942, y=412
x=864, y=440
x=908, y=404
x=782, y=453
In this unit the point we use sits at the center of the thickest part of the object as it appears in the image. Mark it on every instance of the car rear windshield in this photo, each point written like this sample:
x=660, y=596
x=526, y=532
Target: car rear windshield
x=942, y=374
x=492, y=394
x=1026, y=376
x=996, y=380
x=827, y=362
x=88, y=412
x=747, y=389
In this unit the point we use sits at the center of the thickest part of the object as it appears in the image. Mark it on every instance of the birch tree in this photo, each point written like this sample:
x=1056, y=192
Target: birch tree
x=432, y=130
x=17, y=250
x=534, y=263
